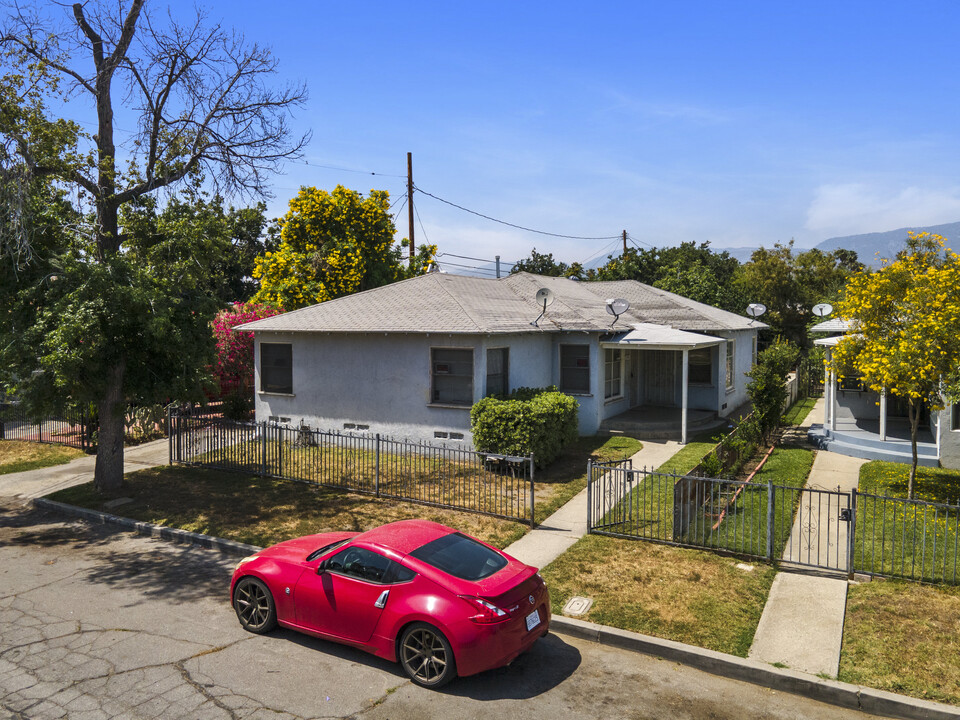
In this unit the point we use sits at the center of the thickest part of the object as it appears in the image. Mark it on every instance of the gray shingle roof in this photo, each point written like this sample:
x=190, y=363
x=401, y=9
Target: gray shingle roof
x=442, y=303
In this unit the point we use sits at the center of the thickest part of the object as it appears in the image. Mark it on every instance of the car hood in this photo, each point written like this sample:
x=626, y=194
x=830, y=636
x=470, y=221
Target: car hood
x=299, y=548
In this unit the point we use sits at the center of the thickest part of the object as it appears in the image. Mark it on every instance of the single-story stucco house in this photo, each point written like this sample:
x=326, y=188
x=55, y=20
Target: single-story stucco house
x=409, y=359
x=862, y=423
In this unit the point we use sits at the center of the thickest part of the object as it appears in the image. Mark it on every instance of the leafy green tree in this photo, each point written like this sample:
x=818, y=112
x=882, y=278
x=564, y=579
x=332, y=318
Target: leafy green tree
x=907, y=339
x=768, y=383
x=544, y=264
x=206, y=103
x=692, y=270
x=791, y=284
x=333, y=244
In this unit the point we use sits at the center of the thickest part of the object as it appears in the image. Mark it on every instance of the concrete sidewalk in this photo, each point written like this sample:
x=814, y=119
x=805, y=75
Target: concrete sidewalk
x=802, y=622
x=557, y=533
x=43, y=481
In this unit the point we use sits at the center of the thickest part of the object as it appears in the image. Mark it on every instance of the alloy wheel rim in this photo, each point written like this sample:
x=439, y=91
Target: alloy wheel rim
x=252, y=604
x=424, y=655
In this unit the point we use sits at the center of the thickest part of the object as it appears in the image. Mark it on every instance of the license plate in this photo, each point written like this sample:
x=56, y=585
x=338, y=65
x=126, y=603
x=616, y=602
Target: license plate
x=533, y=619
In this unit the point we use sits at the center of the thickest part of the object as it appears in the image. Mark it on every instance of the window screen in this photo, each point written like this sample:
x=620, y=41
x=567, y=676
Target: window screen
x=452, y=371
x=498, y=379
x=276, y=368
x=612, y=373
x=575, y=369
x=730, y=357
x=700, y=370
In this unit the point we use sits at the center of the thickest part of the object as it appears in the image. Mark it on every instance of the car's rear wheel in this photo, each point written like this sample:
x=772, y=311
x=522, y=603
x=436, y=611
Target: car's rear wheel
x=426, y=656
x=254, y=605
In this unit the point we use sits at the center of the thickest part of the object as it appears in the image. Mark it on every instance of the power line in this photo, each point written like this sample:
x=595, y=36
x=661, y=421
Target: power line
x=605, y=248
x=467, y=257
x=513, y=225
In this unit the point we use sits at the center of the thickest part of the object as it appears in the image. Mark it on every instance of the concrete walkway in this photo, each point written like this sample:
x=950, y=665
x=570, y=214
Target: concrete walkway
x=802, y=622
x=43, y=481
x=557, y=533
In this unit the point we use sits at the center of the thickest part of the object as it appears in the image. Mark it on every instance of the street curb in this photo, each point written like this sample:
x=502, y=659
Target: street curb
x=210, y=542
x=833, y=692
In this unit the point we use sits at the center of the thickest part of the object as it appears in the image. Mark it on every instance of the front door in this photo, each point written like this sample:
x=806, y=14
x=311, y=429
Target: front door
x=342, y=601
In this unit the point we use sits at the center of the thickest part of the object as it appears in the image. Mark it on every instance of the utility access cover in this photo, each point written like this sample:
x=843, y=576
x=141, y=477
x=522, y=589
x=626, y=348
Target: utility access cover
x=577, y=606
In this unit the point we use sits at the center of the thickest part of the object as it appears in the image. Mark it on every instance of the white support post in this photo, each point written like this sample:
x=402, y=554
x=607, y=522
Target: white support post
x=827, y=401
x=683, y=403
x=833, y=399
x=883, y=415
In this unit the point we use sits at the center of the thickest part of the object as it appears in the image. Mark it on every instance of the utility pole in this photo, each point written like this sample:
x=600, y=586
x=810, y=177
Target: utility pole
x=624, y=242
x=498, y=267
x=410, y=203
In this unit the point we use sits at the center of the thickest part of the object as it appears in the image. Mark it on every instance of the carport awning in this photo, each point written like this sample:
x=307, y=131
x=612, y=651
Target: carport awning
x=659, y=337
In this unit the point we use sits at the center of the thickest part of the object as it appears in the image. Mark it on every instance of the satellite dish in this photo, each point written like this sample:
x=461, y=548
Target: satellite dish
x=822, y=309
x=544, y=296
x=755, y=310
x=617, y=307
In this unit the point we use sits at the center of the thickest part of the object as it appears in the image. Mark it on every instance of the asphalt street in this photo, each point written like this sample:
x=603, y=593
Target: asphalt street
x=97, y=623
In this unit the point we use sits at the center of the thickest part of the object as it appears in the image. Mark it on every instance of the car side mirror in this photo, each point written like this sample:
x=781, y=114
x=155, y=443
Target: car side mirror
x=322, y=567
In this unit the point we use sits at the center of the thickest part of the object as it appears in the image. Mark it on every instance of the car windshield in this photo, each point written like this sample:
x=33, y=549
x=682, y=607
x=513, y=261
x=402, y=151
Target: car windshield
x=460, y=556
x=317, y=553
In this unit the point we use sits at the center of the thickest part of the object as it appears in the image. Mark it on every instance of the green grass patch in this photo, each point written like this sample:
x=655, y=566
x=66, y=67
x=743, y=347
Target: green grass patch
x=684, y=595
x=19, y=456
x=725, y=515
x=261, y=511
x=798, y=412
x=903, y=637
x=690, y=455
x=897, y=537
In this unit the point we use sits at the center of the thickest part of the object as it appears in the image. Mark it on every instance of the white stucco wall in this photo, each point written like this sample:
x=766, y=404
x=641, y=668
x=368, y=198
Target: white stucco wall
x=742, y=362
x=382, y=384
x=949, y=441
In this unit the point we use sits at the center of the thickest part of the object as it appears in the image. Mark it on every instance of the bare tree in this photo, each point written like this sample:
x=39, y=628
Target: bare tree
x=205, y=103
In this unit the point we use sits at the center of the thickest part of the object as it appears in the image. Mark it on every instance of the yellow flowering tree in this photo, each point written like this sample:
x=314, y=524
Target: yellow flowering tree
x=333, y=244
x=906, y=329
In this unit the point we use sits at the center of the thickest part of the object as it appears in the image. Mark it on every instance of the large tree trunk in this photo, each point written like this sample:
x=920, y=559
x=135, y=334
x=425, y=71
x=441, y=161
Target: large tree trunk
x=913, y=413
x=108, y=474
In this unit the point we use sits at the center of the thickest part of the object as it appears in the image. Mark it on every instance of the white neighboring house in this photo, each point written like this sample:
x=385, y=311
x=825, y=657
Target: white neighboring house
x=862, y=423
x=409, y=359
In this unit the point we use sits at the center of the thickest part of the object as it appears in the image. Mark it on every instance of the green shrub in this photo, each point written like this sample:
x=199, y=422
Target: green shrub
x=768, y=385
x=539, y=422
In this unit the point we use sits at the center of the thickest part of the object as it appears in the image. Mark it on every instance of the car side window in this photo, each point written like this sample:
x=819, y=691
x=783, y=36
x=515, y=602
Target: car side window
x=359, y=563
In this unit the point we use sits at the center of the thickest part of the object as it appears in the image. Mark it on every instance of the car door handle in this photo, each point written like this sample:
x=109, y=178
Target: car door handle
x=382, y=600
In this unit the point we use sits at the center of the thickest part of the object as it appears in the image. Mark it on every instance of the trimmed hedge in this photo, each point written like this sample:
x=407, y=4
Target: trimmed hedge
x=529, y=421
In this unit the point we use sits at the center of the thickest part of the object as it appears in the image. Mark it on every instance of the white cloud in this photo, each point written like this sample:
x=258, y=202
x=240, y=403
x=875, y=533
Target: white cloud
x=854, y=208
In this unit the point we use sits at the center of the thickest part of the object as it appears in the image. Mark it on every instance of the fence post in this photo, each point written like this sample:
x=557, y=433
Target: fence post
x=179, y=425
x=771, y=502
x=852, y=534
x=589, y=493
x=263, y=449
x=532, y=494
x=169, y=437
x=280, y=451
x=376, y=466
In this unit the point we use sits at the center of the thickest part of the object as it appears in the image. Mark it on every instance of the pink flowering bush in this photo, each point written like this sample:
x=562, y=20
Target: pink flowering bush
x=233, y=367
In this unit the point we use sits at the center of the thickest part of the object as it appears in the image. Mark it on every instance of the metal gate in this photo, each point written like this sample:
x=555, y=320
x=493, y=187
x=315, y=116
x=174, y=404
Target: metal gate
x=807, y=527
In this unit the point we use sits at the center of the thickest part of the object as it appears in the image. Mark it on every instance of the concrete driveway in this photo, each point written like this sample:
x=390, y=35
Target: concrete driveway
x=101, y=624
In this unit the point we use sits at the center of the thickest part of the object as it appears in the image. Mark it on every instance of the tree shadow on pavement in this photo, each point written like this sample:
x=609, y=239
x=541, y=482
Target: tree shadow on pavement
x=27, y=525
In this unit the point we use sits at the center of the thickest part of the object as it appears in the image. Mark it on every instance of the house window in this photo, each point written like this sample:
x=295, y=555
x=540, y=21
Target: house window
x=753, y=351
x=498, y=378
x=955, y=416
x=276, y=368
x=731, y=354
x=612, y=374
x=700, y=367
x=852, y=382
x=452, y=371
x=575, y=369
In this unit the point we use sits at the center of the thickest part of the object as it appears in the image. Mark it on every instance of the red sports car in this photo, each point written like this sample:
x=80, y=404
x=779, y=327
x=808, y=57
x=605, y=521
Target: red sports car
x=438, y=601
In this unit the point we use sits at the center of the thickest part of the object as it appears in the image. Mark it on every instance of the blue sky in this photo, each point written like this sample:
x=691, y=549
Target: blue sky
x=738, y=123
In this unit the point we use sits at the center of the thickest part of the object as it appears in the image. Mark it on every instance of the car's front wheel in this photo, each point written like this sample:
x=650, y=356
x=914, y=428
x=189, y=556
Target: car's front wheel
x=426, y=656
x=254, y=605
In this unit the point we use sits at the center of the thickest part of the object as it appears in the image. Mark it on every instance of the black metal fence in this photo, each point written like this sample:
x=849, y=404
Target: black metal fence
x=847, y=532
x=497, y=485
x=810, y=376
x=69, y=427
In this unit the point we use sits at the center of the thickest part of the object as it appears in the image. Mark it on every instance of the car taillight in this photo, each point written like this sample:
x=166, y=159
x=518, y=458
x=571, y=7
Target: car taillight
x=487, y=612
